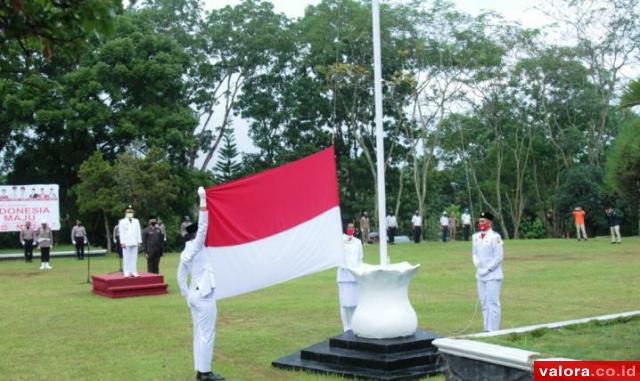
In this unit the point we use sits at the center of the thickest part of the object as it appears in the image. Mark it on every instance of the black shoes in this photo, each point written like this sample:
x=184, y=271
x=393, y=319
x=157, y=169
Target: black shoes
x=209, y=376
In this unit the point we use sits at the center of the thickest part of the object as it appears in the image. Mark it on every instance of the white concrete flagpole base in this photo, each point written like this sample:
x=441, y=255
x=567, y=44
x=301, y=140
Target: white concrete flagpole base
x=384, y=310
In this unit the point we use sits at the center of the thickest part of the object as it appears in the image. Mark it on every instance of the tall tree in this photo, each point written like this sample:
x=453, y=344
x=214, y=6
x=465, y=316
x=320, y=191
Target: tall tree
x=228, y=168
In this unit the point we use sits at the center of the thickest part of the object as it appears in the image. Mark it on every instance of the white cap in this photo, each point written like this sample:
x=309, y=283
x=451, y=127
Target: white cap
x=43, y=221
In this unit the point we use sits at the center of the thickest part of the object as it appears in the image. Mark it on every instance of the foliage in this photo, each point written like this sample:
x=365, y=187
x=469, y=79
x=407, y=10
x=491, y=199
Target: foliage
x=227, y=168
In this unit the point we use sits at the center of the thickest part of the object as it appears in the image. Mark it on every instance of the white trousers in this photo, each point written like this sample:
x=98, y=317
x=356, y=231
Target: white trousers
x=579, y=229
x=130, y=260
x=615, y=233
x=203, y=314
x=346, y=314
x=489, y=294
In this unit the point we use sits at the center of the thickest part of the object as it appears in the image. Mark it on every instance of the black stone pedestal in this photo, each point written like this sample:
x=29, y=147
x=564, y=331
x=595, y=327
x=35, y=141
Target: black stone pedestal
x=407, y=358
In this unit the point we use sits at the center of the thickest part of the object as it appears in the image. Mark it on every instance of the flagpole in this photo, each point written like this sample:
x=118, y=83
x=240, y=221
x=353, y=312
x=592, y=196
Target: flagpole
x=377, y=79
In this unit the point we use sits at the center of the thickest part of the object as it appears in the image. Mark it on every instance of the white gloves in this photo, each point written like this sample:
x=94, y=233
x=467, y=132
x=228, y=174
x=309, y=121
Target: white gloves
x=22, y=242
x=203, y=198
x=73, y=242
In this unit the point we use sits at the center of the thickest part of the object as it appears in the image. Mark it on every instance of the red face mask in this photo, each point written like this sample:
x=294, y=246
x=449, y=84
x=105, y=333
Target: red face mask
x=351, y=231
x=484, y=226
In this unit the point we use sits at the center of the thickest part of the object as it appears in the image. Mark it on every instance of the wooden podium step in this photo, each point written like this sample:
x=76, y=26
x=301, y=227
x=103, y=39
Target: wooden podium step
x=115, y=285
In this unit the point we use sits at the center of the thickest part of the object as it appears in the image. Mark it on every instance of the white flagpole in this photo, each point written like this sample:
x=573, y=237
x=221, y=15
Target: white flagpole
x=377, y=78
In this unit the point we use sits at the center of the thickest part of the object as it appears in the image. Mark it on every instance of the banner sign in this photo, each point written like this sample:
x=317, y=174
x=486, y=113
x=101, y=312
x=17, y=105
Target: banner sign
x=33, y=203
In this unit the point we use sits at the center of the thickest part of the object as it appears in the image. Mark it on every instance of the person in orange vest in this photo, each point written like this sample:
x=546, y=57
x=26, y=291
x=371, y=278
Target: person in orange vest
x=578, y=215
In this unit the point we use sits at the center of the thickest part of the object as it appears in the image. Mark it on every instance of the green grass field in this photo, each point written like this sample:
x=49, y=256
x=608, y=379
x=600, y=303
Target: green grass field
x=617, y=339
x=53, y=328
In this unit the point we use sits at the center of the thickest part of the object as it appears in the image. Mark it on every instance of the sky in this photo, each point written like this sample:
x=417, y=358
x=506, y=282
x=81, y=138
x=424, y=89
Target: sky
x=522, y=11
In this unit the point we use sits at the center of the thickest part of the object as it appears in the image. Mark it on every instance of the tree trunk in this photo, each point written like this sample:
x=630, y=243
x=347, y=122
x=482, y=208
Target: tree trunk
x=107, y=230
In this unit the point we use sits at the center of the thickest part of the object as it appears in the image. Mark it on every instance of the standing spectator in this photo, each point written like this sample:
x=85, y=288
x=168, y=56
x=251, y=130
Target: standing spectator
x=186, y=222
x=578, y=215
x=364, y=228
x=130, y=239
x=487, y=255
x=44, y=237
x=153, y=242
x=392, y=227
x=614, y=225
x=444, y=226
x=27, y=236
x=116, y=241
x=79, y=238
x=163, y=229
x=453, y=225
x=466, y=224
x=416, y=226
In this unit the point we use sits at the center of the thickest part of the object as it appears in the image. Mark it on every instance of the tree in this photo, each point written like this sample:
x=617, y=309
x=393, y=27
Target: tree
x=97, y=191
x=227, y=168
x=623, y=164
x=146, y=183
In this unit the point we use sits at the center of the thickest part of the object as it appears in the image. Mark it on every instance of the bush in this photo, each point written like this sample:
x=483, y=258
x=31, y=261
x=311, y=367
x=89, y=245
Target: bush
x=532, y=229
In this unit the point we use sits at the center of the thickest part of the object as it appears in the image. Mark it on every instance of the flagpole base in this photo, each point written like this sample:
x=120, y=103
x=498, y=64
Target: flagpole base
x=384, y=310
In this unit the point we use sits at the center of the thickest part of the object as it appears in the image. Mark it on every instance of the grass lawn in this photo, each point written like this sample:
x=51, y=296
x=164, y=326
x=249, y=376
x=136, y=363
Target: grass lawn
x=56, y=248
x=53, y=328
x=616, y=340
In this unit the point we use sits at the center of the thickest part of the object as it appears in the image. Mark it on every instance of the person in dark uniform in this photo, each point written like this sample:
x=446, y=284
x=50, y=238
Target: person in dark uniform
x=153, y=242
x=27, y=235
x=79, y=238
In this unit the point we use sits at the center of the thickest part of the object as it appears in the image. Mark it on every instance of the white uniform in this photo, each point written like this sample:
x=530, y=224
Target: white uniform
x=347, y=284
x=487, y=257
x=199, y=295
x=131, y=237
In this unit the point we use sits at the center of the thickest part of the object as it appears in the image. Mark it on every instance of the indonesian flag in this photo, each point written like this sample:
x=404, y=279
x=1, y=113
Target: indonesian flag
x=274, y=226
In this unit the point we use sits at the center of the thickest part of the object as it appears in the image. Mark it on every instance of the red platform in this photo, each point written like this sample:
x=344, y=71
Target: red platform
x=115, y=285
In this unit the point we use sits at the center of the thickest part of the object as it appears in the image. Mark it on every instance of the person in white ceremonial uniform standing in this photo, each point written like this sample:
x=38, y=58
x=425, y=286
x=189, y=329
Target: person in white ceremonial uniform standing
x=347, y=285
x=199, y=294
x=487, y=257
x=130, y=239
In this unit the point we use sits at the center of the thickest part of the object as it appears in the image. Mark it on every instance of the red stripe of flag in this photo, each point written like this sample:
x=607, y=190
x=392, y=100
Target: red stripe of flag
x=270, y=202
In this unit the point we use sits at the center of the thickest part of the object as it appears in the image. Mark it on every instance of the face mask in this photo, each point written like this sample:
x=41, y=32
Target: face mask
x=153, y=223
x=129, y=215
x=484, y=226
x=351, y=231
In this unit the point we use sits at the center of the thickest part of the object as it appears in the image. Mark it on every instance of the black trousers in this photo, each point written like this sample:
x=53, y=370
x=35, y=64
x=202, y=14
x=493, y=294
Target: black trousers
x=445, y=233
x=44, y=254
x=28, y=250
x=417, y=234
x=392, y=234
x=153, y=263
x=79, y=247
x=465, y=233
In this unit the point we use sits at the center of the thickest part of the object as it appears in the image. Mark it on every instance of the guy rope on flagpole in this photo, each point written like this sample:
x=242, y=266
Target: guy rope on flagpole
x=377, y=78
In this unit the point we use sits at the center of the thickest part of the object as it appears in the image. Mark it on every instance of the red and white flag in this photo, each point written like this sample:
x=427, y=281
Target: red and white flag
x=274, y=226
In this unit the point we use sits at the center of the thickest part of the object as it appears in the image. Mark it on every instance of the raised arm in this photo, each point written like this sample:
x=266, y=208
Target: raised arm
x=203, y=221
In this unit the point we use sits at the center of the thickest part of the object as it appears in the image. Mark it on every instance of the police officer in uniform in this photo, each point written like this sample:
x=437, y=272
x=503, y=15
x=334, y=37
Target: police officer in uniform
x=27, y=235
x=347, y=284
x=153, y=242
x=79, y=238
x=487, y=257
x=199, y=293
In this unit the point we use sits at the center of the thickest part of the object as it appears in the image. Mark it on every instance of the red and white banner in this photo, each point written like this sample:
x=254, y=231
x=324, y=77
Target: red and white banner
x=274, y=226
x=33, y=203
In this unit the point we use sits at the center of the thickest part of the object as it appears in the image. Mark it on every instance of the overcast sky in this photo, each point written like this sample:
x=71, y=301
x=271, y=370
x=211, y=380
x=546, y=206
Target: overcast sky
x=521, y=11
